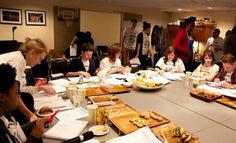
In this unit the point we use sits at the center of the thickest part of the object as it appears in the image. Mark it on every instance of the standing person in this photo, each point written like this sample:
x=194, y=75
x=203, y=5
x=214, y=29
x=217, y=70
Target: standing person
x=111, y=64
x=181, y=42
x=143, y=45
x=215, y=44
x=10, y=130
x=31, y=53
x=71, y=52
x=129, y=41
x=156, y=42
x=230, y=43
x=207, y=69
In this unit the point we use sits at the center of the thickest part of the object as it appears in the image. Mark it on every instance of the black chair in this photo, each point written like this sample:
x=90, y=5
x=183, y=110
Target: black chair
x=102, y=51
x=59, y=67
x=41, y=70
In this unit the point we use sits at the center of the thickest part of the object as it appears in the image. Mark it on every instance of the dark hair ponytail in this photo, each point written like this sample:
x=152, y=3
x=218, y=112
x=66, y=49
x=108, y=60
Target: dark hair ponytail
x=146, y=25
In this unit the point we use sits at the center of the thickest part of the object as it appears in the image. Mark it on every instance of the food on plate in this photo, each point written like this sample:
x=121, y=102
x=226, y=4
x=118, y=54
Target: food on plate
x=147, y=82
x=99, y=130
x=139, y=122
x=45, y=110
x=179, y=132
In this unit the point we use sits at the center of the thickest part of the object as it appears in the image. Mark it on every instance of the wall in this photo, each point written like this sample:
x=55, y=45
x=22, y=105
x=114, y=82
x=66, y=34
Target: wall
x=23, y=31
x=105, y=27
x=46, y=33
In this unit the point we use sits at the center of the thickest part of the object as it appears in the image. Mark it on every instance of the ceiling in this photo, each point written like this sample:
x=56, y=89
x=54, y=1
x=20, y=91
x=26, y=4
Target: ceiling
x=174, y=5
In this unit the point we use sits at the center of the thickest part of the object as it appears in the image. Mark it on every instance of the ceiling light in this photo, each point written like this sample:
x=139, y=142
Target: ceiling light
x=179, y=9
x=209, y=7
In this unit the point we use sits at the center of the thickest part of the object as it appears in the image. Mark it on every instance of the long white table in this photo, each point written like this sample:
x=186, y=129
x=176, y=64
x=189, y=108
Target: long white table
x=211, y=122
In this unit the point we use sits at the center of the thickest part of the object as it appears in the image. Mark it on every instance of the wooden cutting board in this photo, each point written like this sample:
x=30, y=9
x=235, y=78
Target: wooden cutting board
x=112, y=89
x=118, y=110
x=167, y=130
x=125, y=126
x=94, y=92
x=230, y=102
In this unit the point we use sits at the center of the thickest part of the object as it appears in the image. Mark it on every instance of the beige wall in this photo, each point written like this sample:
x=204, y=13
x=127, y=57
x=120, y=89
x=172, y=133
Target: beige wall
x=105, y=27
x=22, y=31
x=46, y=33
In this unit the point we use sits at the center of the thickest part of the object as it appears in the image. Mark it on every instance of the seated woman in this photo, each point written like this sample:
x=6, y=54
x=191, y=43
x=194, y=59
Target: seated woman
x=71, y=52
x=207, y=69
x=83, y=65
x=112, y=63
x=10, y=130
x=170, y=63
x=227, y=75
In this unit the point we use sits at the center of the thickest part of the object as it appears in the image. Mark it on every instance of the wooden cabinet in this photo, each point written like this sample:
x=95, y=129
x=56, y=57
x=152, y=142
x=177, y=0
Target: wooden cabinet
x=200, y=33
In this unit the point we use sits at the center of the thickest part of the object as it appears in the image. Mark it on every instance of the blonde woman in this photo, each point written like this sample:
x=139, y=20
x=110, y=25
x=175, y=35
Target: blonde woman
x=31, y=52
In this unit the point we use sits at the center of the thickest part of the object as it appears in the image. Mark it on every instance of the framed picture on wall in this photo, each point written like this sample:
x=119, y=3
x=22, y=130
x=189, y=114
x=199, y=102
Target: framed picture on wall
x=10, y=16
x=37, y=18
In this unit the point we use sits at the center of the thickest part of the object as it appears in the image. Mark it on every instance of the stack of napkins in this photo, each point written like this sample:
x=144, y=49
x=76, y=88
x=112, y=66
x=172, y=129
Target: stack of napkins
x=66, y=130
x=143, y=135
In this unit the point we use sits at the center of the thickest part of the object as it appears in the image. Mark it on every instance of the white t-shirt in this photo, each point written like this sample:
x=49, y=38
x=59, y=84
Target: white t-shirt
x=168, y=66
x=146, y=44
x=130, y=38
x=106, y=65
x=217, y=46
x=17, y=60
x=86, y=64
x=228, y=77
x=15, y=129
x=73, y=51
x=206, y=72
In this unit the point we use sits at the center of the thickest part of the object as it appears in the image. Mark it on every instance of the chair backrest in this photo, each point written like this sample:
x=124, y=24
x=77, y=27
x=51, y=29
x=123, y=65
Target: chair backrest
x=102, y=49
x=41, y=70
x=58, y=65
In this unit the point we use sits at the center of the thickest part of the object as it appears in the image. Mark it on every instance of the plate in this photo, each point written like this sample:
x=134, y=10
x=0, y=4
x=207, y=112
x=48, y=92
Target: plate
x=99, y=130
x=46, y=115
x=141, y=86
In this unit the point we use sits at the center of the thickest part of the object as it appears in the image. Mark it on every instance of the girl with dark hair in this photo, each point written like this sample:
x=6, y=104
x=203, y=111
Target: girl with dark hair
x=83, y=65
x=170, y=62
x=143, y=44
x=207, y=69
x=10, y=130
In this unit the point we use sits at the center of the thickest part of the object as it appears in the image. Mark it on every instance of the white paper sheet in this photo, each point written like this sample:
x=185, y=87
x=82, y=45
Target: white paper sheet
x=73, y=114
x=92, y=141
x=172, y=76
x=60, y=82
x=66, y=130
x=143, y=135
x=112, y=81
x=58, y=88
x=51, y=101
